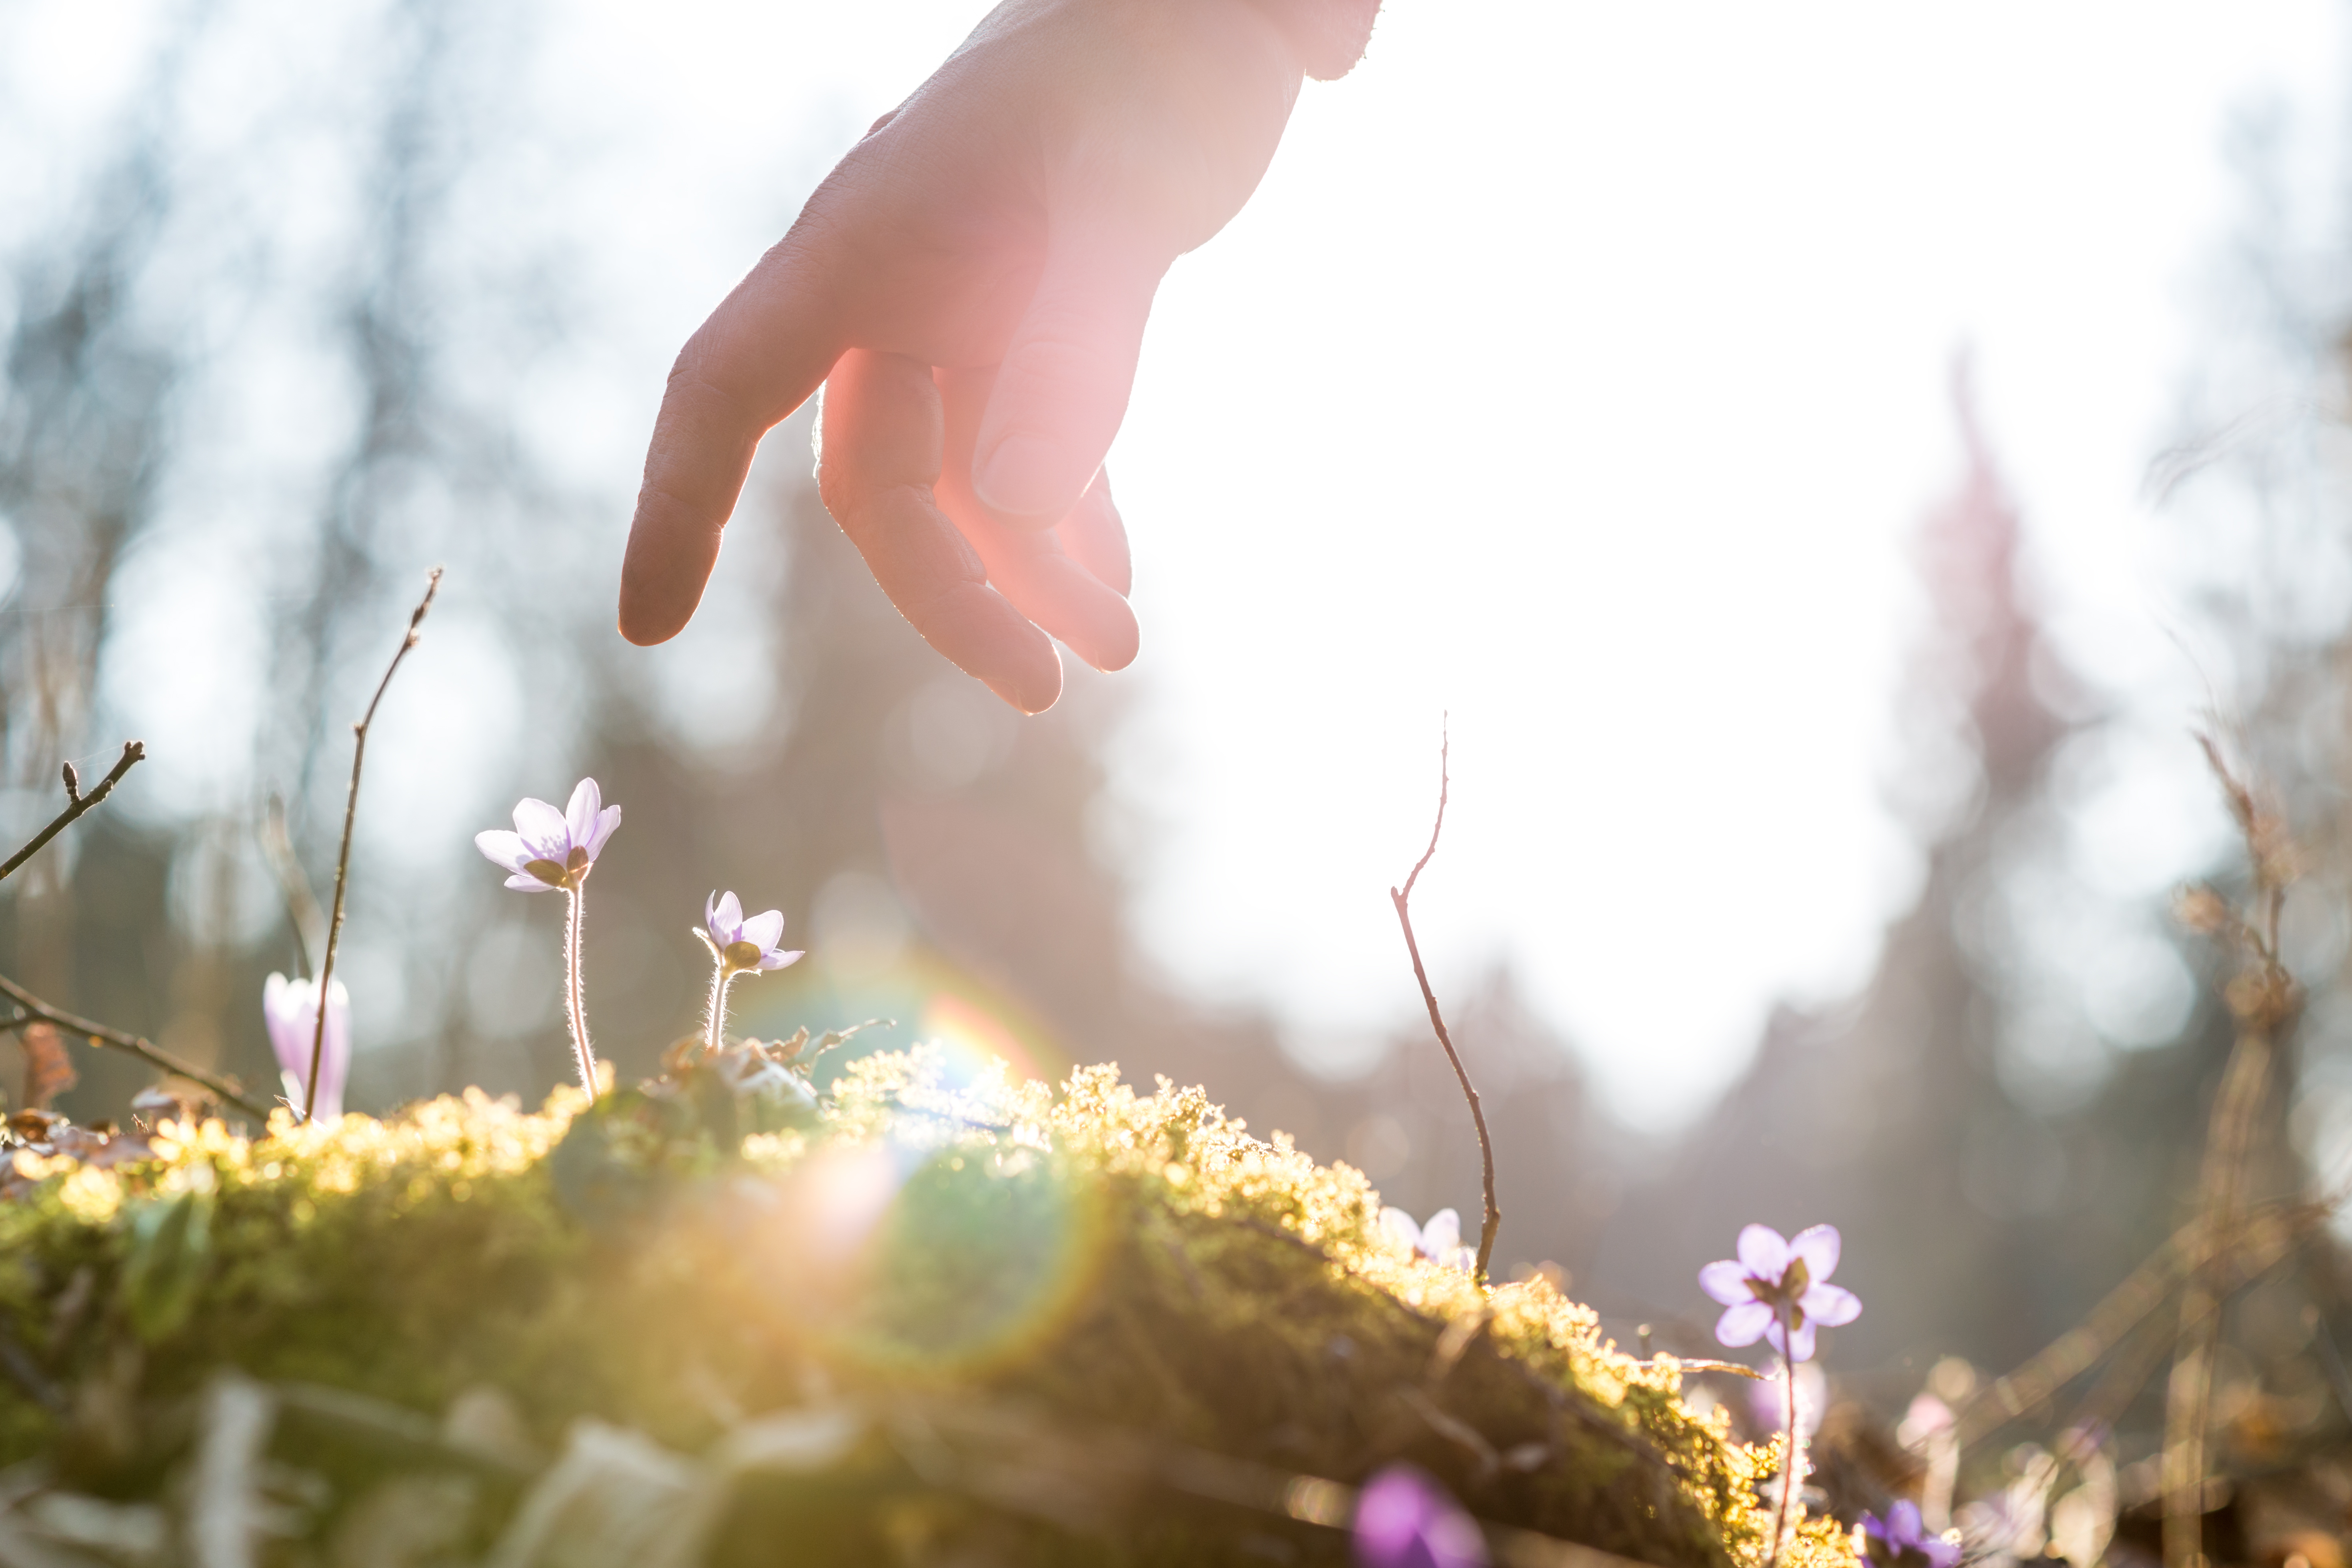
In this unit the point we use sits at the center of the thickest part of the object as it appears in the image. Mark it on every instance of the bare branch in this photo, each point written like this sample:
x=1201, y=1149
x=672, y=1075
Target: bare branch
x=1400, y=898
x=343, y=857
x=31, y=1009
x=132, y=751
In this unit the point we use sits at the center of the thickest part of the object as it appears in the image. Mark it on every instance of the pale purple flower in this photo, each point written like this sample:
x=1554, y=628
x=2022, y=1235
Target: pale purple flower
x=1901, y=1541
x=290, y=1010
x=1776, y=1279
x=1404, y=1520
x=743, y=945
x=552, y=850
x=1439, y=1240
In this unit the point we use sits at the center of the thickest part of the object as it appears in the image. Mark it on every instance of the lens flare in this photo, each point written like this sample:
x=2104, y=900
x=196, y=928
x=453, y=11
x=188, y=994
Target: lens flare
x=943, y=1260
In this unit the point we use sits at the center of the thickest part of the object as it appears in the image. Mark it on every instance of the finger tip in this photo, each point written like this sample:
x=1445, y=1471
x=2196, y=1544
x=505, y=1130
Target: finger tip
x=1116, y=648
x=647, y=624
x=1034, y=687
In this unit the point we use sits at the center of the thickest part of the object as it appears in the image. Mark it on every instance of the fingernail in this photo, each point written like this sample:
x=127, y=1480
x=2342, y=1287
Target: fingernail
x=1022, y=478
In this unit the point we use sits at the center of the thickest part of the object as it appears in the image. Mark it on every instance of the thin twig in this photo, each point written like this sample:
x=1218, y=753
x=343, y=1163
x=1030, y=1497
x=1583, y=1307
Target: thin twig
x=77, y=803
x=31, y=1009
x=2262, y=997
x=1400, y=897
x=343, y=857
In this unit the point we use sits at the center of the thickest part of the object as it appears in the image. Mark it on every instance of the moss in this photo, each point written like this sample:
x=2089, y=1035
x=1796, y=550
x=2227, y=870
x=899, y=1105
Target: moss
x=1095, y=1261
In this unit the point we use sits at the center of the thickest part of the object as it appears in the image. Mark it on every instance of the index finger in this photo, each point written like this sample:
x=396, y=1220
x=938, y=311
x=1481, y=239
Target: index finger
x=759, y=356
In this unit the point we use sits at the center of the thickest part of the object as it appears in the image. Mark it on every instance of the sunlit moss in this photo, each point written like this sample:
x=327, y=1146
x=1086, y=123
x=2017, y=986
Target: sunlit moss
x=1123, y=1260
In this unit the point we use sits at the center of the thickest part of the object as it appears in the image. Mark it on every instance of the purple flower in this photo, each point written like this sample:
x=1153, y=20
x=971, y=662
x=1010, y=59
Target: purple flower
x=1776, y=1279
x=1404, y=1520
x=290, y=1010
x=744, y=945
x=1439, y=1240
x=549, y=849
x=1901, y=1541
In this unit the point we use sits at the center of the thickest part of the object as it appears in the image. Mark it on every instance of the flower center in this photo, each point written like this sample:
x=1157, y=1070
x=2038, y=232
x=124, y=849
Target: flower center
x=1782, y=1294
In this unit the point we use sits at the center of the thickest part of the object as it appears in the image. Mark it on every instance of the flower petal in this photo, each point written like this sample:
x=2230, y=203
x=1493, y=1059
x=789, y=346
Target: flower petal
x=1763, y=1252
x=543, y=831
x=1798, y=1347
x=503, y=849
x=1404, y=1520
x=1727, y=1281
x=1442, y=1234
x=1903, y=1523
x=607, y=821
x=524, y=882
x=580, y=815
x=1830, y=1305
x=1743, y=1324
x=727, y=920
x=764, y=930
x=1818, y=1246
x=773, y=959
x=1398, y=1228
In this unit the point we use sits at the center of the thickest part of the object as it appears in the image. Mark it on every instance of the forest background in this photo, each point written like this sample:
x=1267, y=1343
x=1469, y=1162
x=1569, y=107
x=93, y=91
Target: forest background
x=299, y=303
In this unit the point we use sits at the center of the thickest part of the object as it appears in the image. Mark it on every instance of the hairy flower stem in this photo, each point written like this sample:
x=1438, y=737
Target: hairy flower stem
x=584, y=1057
x=722, y=977
x=1790, y=1453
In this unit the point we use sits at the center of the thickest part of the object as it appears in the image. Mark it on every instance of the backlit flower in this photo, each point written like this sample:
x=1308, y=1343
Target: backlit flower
x=1439, y=1240
x=289, y=1008
x=1404, y=1520
x=744, y=945
x=552, y=850
x=1901, y=1541
x=1778, y=1289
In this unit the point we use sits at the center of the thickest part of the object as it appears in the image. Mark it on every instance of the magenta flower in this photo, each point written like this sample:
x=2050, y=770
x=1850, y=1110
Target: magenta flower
x=736, y=946
x=1901, y=1541
x=552, y=850
x=1778, y=1289
x=1439, y=1240
x=289, y=1008
x=1404, y=1520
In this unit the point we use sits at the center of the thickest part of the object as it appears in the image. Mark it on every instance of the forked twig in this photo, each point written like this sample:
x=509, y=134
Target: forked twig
x=1401, y=898
x=31, y=1009
x=2262, y=996
x=343, y=857
x=77, y=803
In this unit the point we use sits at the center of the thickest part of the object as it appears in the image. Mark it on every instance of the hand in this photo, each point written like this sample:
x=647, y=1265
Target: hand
x=971, y=285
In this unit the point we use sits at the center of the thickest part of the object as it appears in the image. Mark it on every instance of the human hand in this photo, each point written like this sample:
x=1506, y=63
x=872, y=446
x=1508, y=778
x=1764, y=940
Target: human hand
x=971, y=285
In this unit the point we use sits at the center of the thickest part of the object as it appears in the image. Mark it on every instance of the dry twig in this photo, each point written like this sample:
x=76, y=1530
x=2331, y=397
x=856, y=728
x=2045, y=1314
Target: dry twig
x=31, y=1009
x=2261, y=997
x=77, y=803
x=1401, y=898
x=343, y=857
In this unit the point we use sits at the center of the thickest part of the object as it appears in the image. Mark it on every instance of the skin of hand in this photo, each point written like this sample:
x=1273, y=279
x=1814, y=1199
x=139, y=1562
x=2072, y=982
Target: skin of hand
x=969, y=286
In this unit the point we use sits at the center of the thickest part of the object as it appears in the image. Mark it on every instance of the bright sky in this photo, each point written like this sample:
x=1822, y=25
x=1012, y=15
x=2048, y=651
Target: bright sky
x=1579, y=370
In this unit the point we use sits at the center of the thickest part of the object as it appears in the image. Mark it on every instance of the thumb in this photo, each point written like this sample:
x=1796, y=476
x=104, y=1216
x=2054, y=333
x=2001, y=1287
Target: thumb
x=1062, y=389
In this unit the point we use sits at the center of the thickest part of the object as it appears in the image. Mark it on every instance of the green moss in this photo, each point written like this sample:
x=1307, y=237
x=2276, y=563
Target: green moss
x=1096, y=1268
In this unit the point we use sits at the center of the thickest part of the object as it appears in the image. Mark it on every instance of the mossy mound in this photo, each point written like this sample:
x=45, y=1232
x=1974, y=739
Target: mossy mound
x=906, y=1321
